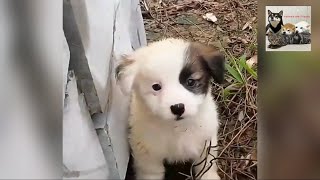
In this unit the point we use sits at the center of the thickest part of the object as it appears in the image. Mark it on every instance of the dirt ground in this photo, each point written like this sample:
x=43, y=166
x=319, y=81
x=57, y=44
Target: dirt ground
x=235, y=34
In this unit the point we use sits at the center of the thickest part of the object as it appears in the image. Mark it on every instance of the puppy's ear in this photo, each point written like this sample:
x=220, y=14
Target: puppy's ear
x=269, y=12
x=215, y=62
x=281, y=13
x=212, y=59
x=125, y=73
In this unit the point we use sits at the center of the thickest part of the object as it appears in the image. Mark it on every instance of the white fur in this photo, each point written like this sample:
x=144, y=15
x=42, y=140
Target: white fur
x=303, y=26
x=154, y=134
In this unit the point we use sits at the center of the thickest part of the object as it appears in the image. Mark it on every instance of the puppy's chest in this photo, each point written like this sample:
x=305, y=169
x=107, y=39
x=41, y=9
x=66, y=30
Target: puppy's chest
x=181, y=144
x=187, y=145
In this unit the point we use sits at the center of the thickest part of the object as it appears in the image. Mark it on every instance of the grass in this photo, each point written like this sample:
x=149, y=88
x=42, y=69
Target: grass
x=238, y=133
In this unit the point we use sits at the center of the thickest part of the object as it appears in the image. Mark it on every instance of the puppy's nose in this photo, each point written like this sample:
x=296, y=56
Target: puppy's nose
x=177, y=109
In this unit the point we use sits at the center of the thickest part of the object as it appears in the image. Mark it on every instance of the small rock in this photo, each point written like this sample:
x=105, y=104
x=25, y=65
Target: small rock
x=210, y=17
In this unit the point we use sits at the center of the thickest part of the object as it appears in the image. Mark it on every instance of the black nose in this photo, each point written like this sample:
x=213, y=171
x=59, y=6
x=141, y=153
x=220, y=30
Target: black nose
x=177, y=109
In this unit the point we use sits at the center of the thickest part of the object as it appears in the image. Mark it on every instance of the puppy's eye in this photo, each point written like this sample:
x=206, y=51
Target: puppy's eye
x=288, y=30
x=156, y=87
x=296, y=26
x=191, y=82
x=300, y=27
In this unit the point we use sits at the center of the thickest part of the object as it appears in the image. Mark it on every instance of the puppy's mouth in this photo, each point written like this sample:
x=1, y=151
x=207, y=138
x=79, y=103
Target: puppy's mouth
x=178, y=118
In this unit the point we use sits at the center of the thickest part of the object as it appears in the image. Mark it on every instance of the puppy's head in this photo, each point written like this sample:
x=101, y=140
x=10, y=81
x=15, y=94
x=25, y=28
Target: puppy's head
x=171, y=77
x=275, y=18
x=300, y=28
x=288, y=29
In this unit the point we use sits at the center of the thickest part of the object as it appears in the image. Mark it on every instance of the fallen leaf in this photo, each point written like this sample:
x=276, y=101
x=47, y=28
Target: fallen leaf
x=187, y=20
x=247, y=161
x=246, y=25
x=210, y=17
x=252, y=61
x=244, y=41
x=219, y=29
x=240, y=116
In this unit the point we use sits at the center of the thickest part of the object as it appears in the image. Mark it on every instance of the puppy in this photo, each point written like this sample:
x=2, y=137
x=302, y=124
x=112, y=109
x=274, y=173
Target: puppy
x=173, y=116
x=303, y=27
x=275, y=22
x=288, y=29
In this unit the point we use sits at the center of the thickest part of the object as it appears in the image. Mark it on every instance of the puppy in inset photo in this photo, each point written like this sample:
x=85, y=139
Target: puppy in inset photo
x=173, y=117
x=275, y=22
x=288, y=29
x=303, y=27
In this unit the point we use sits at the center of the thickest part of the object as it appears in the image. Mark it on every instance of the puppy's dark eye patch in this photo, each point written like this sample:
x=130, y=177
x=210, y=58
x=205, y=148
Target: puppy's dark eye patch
x=191, y=82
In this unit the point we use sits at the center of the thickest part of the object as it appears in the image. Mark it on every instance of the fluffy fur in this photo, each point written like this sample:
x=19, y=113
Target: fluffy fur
x=183, y=70
x=288, y=29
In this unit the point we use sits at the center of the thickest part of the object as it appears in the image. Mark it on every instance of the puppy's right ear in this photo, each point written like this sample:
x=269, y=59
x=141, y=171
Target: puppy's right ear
x=125, y=74
x=269, y=12
x=281, y=13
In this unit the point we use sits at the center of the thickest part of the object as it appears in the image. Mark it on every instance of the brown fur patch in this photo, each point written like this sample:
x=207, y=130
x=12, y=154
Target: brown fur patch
x=201, y=63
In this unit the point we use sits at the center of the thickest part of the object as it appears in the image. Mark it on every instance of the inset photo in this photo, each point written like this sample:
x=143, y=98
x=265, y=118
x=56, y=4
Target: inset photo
x=288, y=28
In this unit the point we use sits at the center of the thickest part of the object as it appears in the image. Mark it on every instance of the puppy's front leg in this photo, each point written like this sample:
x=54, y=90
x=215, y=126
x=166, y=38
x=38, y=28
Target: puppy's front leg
x=149, y=169
x=207, y=170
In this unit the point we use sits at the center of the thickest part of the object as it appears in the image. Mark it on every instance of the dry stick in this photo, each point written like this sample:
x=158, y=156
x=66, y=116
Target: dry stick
x=197, y=26
x=184, y=175
x=166, y=27
x=231, y=173
x=235, y=137
x=244, y=128
x=193, y=164
x=231, y=132
x=205, y=162
x=234, y=96
x=225, y=173
x=248, y=175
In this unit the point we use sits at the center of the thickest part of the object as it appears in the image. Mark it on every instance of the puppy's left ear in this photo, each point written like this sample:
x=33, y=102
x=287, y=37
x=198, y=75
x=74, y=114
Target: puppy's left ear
x=281, y=13
x=125, y=74
x=215, y=62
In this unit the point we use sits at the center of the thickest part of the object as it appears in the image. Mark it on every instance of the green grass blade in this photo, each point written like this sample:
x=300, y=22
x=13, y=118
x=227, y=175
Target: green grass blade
x=250, y=70
x=235, y=74
x=241, y=60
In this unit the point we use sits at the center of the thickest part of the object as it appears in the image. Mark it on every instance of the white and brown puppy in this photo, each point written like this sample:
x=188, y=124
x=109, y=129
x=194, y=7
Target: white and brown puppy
x=173, y=115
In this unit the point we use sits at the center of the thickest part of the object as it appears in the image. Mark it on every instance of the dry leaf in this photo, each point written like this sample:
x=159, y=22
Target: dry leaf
x=252, y=61
x=219, y=29
x=244, y=41
x=210, y=17
x=240, y=116
x=247, y=161
x=246, y=26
